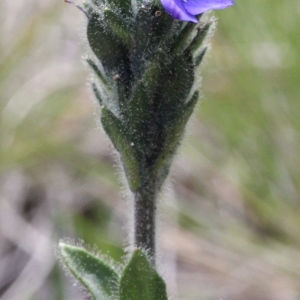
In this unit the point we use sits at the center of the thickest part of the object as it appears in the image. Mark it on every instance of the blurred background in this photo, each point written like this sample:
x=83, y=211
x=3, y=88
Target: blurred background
x=230, y=215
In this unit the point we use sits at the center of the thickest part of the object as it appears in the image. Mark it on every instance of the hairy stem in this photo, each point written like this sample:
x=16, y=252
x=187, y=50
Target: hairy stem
x=144, y=218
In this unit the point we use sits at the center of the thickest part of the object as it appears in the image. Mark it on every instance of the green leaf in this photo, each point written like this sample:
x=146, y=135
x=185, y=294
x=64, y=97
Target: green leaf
x=116, y=130
x=117, y=26
x=140, y=281
x=177, y=81
x=98, y=72
x=199, y=56
x=201, y=34
x=138, y=109
x=162, y=25
x=185, y=37
x=153, y=72
x=174, y=131
x=141, y=40
x=97, y=276
x=97, y=93
x=152, y=33
x=108, y=48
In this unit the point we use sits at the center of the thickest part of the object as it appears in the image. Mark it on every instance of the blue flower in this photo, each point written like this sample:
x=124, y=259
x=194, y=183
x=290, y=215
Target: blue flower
x=186, y=10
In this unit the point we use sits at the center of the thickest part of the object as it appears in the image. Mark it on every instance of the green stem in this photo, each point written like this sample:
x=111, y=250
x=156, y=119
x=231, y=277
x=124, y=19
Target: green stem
x=145, y=218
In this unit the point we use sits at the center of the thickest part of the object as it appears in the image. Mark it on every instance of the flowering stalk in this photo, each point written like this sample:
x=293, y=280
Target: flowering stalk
x=146, y=65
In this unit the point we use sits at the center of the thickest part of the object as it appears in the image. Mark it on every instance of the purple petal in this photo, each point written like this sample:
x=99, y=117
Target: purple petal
x=197, y=7
x=176, y=9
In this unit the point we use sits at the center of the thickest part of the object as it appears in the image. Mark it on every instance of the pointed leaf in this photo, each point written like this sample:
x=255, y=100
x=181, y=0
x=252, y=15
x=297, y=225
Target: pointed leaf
x=138, y=109
x=174, y=132
x=199, y=56
x=185, y=37
x=201, y=34
x=117, y=26
x=177, y=82
x=97, y=276
x=116, y=130
x=97, y=93
x=108, y=48
x=152, y=32
x=152, y=74
x=141, y=281
x=141, y=47
x=98, y=72
x=162, y=25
